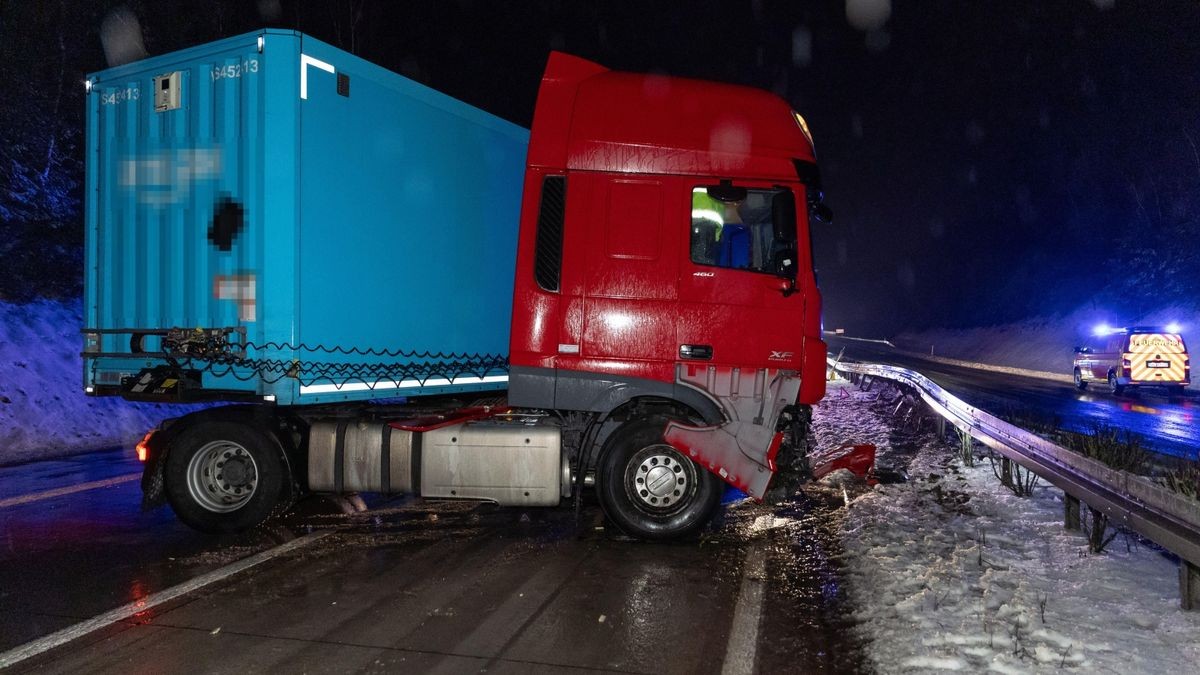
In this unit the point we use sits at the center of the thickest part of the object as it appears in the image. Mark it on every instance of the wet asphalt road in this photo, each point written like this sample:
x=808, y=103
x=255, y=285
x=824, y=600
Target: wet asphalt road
x=1170, y=425
x=414, y=586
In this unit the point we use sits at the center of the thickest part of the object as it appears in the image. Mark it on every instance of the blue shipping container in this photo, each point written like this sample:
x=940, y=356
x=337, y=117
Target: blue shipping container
x=337, y=231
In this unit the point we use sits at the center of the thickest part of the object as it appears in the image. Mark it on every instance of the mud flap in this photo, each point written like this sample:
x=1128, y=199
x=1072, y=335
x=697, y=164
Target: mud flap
x=742, y=450
x=153, y=493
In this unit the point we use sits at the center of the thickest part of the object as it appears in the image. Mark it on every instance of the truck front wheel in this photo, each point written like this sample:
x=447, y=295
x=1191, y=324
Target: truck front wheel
x=224, y=476
x=651, y=490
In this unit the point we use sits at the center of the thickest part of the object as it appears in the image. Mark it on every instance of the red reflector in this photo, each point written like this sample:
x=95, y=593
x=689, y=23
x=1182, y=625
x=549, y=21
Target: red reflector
x=773, y=451
x=143, y=448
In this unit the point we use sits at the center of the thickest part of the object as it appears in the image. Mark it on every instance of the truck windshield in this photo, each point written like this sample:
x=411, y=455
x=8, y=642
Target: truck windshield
x=743, y=234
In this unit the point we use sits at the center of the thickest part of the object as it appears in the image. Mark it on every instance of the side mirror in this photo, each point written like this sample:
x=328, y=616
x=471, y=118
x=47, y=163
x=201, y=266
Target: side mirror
x=821, y=213
x=783, y=217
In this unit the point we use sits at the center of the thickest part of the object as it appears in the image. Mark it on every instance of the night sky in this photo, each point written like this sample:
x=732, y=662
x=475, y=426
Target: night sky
x=986, y=161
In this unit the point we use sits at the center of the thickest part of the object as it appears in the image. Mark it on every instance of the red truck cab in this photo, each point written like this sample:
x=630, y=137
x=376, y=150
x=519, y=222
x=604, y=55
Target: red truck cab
x=665, y=280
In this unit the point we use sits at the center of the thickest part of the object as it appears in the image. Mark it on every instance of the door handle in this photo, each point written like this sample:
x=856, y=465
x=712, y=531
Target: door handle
x=696, y=352
x=785, y=285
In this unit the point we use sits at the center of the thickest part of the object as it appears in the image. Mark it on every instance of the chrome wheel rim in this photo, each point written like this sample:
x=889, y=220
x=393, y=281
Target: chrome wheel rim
x=222, y=476
x=659, y=480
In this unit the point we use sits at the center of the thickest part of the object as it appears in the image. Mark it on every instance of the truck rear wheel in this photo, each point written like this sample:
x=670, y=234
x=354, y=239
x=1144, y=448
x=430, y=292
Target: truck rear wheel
x=224, y=476
x=1113, y=385
x=651, y=490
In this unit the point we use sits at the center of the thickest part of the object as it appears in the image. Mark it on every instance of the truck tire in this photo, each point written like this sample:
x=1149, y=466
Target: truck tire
x=1080, y=383
x=649, y=489
x=224, y=476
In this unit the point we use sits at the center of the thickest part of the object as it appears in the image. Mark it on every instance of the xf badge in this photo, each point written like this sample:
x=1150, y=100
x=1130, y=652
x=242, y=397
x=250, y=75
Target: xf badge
x=780, y=356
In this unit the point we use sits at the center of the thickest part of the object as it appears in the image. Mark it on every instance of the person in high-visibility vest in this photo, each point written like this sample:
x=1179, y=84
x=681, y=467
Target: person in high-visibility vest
x=707, y=221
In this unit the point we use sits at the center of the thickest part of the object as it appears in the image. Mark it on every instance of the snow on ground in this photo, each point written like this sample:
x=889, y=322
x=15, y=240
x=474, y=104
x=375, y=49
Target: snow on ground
x=1042, y=344
x=951, y=571
x=43, y=410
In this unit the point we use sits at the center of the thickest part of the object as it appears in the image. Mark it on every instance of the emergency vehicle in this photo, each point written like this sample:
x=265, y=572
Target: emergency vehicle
x=1137, y=356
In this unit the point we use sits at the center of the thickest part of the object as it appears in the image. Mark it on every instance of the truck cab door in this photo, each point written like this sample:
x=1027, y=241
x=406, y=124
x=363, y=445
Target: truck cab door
x=739, y=307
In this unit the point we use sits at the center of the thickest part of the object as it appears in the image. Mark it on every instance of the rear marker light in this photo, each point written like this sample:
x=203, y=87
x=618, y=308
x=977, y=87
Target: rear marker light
x=143, y=448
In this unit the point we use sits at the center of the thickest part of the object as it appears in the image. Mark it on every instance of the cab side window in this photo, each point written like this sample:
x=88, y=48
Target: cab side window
x=743, y=233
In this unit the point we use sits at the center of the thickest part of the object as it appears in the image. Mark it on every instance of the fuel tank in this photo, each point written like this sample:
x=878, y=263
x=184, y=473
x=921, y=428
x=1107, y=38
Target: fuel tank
x=517, y=460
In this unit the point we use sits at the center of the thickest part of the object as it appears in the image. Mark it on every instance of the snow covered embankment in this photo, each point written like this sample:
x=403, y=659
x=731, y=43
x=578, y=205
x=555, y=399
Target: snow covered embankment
x=951, y=571
x=43, y=410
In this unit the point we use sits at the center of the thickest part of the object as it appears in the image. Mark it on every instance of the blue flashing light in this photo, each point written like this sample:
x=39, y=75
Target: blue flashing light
x=1102, y=330
x=1173, y=327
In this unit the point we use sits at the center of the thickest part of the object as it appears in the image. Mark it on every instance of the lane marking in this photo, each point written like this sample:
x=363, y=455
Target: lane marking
x=742, y=647
x=31, y=649
x=70, y=489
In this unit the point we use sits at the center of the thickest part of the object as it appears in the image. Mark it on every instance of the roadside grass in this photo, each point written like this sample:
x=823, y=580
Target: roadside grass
x=1116, y=448
x=1184, y=478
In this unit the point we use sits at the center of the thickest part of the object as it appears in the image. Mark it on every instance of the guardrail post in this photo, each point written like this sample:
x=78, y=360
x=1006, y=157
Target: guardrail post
x=1189, y=585
x=1071, y=519
x=1006, y=472
x=941, y=426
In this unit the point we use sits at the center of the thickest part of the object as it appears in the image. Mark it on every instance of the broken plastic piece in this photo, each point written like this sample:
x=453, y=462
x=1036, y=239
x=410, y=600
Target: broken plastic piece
x=857, y=459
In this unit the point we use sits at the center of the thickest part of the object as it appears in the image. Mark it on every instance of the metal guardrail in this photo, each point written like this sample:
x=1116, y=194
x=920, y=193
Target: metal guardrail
x=1130, y=501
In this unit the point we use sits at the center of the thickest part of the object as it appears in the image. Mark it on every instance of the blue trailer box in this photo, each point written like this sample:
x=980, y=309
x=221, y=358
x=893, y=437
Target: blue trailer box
x=269, y=217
